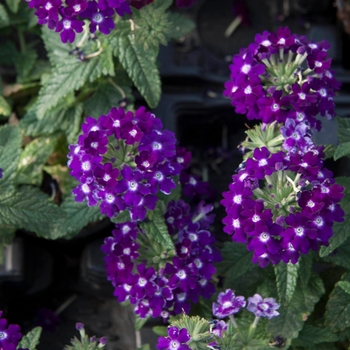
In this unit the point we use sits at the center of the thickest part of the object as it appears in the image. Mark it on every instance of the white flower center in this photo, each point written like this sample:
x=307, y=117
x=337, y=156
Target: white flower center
x=142, y=282
x=116, y=123
x=180, y=160
x=310, y=204
x=226, y=304
x=318, y=64
x=97, y=17
x=106, y=177
x=77, y=8
x=86, y=166
x=85, y=188
x=262, y=162
x=236, y=223
x=264, y=237
x=132, y=185
x=48, y=6
x=323, y=92
x=237, y=199
x=256, y=218
x=248, y=90
x=319, y=221
x=133, y=132
x=246, y=68
x=66, y=24
x=302, y=96
x=110, y=198
x=282, y=41
x=275, y=107
x=234, y=89
x=266, y=43
x=193, y=181
x=94, y=144
x=126, y=251
x=181, y=274
x=299, y=231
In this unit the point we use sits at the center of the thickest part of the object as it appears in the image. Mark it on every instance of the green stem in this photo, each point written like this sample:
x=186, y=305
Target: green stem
x=252, y=329
x=22, y=43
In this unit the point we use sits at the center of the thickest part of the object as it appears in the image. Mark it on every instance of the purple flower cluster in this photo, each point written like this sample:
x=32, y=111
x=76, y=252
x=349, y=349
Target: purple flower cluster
x=285, y=79
x=10, y=335
x=180, y=279
x=283, y=76
x=122, y=160
x=177, y=339
x=292, y=214
x=67, y=17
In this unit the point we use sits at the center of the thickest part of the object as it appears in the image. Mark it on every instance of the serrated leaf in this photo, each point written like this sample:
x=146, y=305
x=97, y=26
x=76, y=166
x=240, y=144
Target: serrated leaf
x=4, y=17
x=5, y=108
x=341, y=230
x=77, y=216
x=13, y=5
x=60, y=119
x=123, y=216
x=140, y=66
x=337, y=314
x=293, y=314
x=10, y=149
x=311, y=335
x=107, y=95
x=305, y=268
x=31, y=339
x=342, y=150
x=345, y=285
x=69, y=74
x=235, y=263
x=33, y=159
x=180, y=25
x=329, y=151
x=157, y=229
x=161, y=4
x=343, y=129
x=24, y=63
x=29, y=208
x=286, y=280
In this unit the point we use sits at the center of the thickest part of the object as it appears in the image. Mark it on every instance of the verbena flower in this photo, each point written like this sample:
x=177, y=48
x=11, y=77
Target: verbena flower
x=279, y=74
x=66, y=17
x=228, y=304
x=169, y=288
x=263, y=307
x=10, y=335
x=122, y=160
x=291, y=213
x=177, y=339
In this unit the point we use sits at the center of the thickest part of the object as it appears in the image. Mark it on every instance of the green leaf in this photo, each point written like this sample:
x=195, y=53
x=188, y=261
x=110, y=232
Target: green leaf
x=60, y=119
x=140, y=66
x=140, y=322
x=329, y=151
x=345, y=285
x=4, y=17
x=338, y=308
x=311, y=335
x=144, y=347
x=235, y=263
x=13, y=5
x=305, y=268
x=342, y=150
x=10, y=149
x=107, y=95
x=286, y=280
x=24, y=63
x=293, y=314
x=69, y=74
x=157, y=228
x=31, y=339
x=33, y=159
x=343, y=129
x=29, y=208
x=5, y=108
x=77, y=216
x=123, y=216
x=180, y=25
x=160, y=330
x=341, y=230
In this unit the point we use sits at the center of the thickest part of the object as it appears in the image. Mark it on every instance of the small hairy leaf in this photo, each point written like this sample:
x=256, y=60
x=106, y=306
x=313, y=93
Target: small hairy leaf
x=32, y=160
x=180, y=25
x=329, y=151
x=5, y=108
x=235, y=263
x=123, y=216
x=311, y=335
x=77, y=216
x=29, y=208
x=338, y=307
x=13, y=5
x=342, y=150
x=293, y=314
x=4, y=17
x=157, y=228
x=286, y=280
x=139, y=322
x=31, y=339
x=345, y=285
x=24, y=63
x=160, y=330
x=10, y=149
x=140, y=66
x=341, y=230
x=343, y=129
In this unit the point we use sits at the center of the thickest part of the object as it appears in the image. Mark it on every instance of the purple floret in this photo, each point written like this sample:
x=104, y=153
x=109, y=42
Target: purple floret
x=263, y=307
x=228, y=304
x=176, y=339
x=10, y=335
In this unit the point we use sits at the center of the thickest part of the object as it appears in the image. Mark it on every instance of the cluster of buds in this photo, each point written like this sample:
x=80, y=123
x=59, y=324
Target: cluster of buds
x=284, y=81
